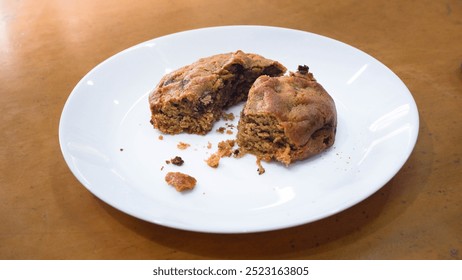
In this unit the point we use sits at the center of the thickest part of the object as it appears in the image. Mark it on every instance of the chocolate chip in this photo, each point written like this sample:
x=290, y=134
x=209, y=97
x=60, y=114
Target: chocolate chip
x=303, y=69
x=177, y=161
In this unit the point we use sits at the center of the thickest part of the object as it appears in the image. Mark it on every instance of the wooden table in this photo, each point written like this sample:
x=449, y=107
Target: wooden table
x=47, y=46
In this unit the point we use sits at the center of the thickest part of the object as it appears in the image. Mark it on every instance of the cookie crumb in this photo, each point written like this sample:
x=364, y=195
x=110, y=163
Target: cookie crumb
x=180, y=181
x=221, y=130
x=209, y=145
x=183, y=146
x=161, y=137
x=177, y=161
x=260, y=168
x=213, y=161
x=229, y=131
x=225, y=149
x=228, y=117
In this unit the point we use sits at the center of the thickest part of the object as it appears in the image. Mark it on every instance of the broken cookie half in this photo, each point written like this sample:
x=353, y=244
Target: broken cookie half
x=287, y=118
x=192, y=98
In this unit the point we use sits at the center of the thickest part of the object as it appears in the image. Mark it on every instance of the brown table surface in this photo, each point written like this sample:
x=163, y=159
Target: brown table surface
x=47, y=46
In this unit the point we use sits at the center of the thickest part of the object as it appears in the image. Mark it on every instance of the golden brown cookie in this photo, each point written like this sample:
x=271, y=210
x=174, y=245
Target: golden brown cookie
x=287, y=118
x=193, y=97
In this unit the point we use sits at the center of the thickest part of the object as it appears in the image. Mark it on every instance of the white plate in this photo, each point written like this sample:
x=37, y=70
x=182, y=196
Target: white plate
x=108, y=111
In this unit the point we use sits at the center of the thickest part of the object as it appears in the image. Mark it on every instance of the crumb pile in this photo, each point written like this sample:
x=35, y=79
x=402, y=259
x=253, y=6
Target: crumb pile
x=183, y=146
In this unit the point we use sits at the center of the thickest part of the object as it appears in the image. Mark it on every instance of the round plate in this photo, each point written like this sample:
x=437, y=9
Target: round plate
x=113, y=150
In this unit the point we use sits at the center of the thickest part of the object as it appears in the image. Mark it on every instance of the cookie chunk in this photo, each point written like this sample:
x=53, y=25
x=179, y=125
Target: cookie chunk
x=180, y=181
x=225, y=149
x=192, y=98
x=287, y=118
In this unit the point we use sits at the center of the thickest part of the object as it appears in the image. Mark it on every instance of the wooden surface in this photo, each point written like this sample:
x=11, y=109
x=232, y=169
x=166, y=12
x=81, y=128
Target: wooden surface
x=47, y=46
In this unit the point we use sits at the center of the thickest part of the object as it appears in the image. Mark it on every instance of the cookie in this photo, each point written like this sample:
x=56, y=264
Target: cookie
x=192, y=98
x=287, y=118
